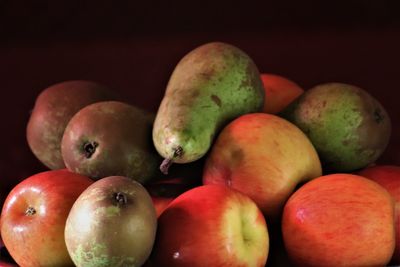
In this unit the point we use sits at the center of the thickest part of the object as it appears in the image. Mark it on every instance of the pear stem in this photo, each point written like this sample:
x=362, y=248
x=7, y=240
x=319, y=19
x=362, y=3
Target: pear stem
x=178, y=152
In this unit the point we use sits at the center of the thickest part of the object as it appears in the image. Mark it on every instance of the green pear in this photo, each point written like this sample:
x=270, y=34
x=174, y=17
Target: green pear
x=210, y=86
x=348, y=127
x=111, y=138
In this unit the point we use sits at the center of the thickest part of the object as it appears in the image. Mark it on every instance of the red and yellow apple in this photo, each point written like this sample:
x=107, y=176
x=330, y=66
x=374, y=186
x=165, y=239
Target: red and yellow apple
x=34, y=215
x=339, y=220
x=388, y=176
x=264, y=157
x=279, y=92
x=211, y=225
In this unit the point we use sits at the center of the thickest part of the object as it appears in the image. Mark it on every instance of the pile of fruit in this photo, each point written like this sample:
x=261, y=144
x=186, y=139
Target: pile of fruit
x=233, y=161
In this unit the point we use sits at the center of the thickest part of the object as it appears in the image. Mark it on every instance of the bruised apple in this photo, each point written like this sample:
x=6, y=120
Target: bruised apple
x=112, y=223
x=34, y=215
x=211, y=225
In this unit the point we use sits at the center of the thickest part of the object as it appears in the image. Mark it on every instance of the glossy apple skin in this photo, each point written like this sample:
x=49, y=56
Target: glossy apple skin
x=264, y=157
x=207, y=226
x=38, y=239
x=388, y=176
x=279, y=92
x=339, y=220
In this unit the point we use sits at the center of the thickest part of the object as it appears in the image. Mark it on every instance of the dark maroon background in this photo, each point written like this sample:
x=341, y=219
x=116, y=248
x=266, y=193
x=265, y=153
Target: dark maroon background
x=133, y=47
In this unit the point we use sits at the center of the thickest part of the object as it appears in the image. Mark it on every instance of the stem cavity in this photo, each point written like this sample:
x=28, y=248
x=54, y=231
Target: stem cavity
x=89, y=148
x=120, y=198
x=30, y=211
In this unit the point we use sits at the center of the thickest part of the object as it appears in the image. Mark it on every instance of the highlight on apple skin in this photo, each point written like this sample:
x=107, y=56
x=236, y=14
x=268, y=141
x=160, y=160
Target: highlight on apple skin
x=211, y=225
x=339, y=220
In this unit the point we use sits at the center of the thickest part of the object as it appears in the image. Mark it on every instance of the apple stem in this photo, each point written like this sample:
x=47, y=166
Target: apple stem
x=89, y=148
x=178, y=151
x=120, y=198
x=30, y=211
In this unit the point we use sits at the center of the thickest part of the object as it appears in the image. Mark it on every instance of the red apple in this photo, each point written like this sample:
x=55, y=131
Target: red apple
x=5, y=258
x=339, y=220
x=279, y=92
x=389, y=177
x=34, y=215
x=211, y=225
x=7, y=264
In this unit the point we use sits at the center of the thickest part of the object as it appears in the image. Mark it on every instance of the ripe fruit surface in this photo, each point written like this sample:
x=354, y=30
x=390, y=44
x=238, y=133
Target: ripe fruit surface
x=112, y=223
x=263, y=156
x=34, y=215
x=339, y=220
x=210, y=86
x=388, y=176
x=348, y=127
x=211, y=225
x=279, y=92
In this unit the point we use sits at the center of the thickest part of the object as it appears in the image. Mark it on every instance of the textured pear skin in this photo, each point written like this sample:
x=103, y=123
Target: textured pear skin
x=111, y=138
x=209, y=87
x=348, y=127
